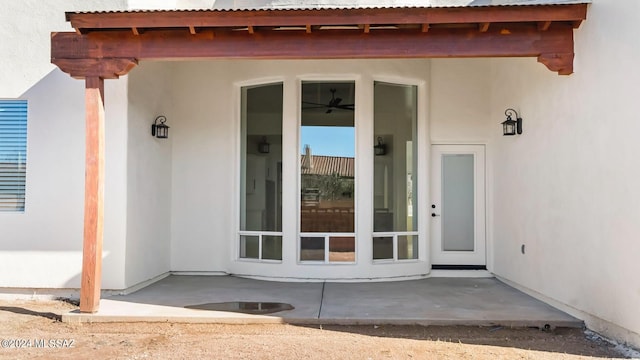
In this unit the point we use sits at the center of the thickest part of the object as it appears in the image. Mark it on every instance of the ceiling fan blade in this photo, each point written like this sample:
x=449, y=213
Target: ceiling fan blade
x=334, y=103
x=312, y=103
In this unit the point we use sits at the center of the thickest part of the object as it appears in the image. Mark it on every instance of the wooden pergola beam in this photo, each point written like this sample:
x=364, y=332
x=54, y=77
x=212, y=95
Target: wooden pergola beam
x=519, y=41
x=82, y=68
x=544, y=25
x=221, y=18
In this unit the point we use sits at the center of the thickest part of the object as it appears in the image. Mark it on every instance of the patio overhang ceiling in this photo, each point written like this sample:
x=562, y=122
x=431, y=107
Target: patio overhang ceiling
x=109, y=44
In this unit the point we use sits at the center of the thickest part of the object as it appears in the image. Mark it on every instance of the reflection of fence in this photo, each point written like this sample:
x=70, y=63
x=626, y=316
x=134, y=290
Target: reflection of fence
x=310, y=197
x=314, y=219
x=12, y=185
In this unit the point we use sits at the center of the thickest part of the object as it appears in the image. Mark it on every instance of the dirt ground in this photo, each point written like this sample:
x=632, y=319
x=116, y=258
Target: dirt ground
x=32, y=330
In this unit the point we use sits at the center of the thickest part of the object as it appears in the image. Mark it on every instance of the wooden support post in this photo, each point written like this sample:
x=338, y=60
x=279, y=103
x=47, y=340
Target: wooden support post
x=93, y=196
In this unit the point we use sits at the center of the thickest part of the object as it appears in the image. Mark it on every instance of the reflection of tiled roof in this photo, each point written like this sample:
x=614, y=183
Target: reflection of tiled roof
x=234, y=5
x=328, y=165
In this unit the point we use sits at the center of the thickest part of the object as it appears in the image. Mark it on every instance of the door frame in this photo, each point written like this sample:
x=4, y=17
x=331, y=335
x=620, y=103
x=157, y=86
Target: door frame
x=477, y=257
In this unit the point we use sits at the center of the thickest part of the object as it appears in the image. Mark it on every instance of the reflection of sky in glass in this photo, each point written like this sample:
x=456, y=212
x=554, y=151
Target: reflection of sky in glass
x=328, y=140
x=13, y=131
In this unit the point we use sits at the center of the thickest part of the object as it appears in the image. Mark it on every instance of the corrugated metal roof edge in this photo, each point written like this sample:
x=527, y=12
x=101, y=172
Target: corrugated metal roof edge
x=320, y=8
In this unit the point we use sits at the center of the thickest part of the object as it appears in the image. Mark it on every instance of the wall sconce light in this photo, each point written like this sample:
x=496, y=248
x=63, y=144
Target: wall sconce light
x=510, y=126
x=159, y=129
x=380, y=148
x=263, y=146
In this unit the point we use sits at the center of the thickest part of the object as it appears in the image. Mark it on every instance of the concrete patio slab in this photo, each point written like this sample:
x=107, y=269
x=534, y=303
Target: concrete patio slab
x=439, y=301
x=434, y=301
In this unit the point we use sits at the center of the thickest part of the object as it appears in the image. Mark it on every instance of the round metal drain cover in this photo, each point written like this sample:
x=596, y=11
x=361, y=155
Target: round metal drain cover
x=245, y=307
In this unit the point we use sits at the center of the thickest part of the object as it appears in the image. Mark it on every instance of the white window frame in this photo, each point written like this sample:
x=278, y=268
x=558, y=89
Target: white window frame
x=238, y=197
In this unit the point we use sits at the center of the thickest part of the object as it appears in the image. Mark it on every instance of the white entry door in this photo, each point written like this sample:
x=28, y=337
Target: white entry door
x=457, y=210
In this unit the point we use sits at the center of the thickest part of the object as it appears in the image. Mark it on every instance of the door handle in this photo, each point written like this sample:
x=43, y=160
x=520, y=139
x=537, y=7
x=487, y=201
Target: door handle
x=434, y=214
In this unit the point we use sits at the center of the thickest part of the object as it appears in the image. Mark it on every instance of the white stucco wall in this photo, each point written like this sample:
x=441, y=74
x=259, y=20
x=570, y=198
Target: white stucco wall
x=567, y=187
x=25, y=27
x=147, y=234
x=206, y=152
x=148, y=174
x=460, y=102
x=42, y=247
x=205, y=144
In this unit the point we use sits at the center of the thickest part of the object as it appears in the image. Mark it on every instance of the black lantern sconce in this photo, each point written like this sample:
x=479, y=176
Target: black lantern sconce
x=380, y=148
x=510, y=126
x=263, y=146
x=159, y=129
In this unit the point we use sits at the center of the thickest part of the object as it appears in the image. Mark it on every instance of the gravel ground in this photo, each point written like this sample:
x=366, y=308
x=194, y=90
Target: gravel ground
x=32, y=330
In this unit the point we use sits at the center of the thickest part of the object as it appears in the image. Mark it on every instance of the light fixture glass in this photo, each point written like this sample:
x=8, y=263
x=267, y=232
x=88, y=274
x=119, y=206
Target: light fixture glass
x=159, y=129
x=511, y=127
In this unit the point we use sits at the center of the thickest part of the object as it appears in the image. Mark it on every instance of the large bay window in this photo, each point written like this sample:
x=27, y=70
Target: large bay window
x=326, y=231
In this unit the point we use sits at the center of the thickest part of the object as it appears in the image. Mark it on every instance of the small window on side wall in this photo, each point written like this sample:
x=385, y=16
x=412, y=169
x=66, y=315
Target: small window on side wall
x=13, y=154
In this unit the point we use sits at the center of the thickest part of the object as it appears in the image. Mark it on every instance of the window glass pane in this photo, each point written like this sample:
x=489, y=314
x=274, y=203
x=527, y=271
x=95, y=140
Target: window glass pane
x=249, y=246
x=311, y=248
x=407, y=247
x=342, y=249
x=382, y=248
x=457, y=202
x=261, y=169
x=13, y=154
x=271, y=247
x=394, y=175
x=327, y=157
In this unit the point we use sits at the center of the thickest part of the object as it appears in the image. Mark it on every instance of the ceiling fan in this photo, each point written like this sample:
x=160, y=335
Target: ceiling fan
x=334, y=104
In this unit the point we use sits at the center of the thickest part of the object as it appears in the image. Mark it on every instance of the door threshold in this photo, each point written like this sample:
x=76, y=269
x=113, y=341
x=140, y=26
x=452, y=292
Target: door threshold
x=458, y=267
